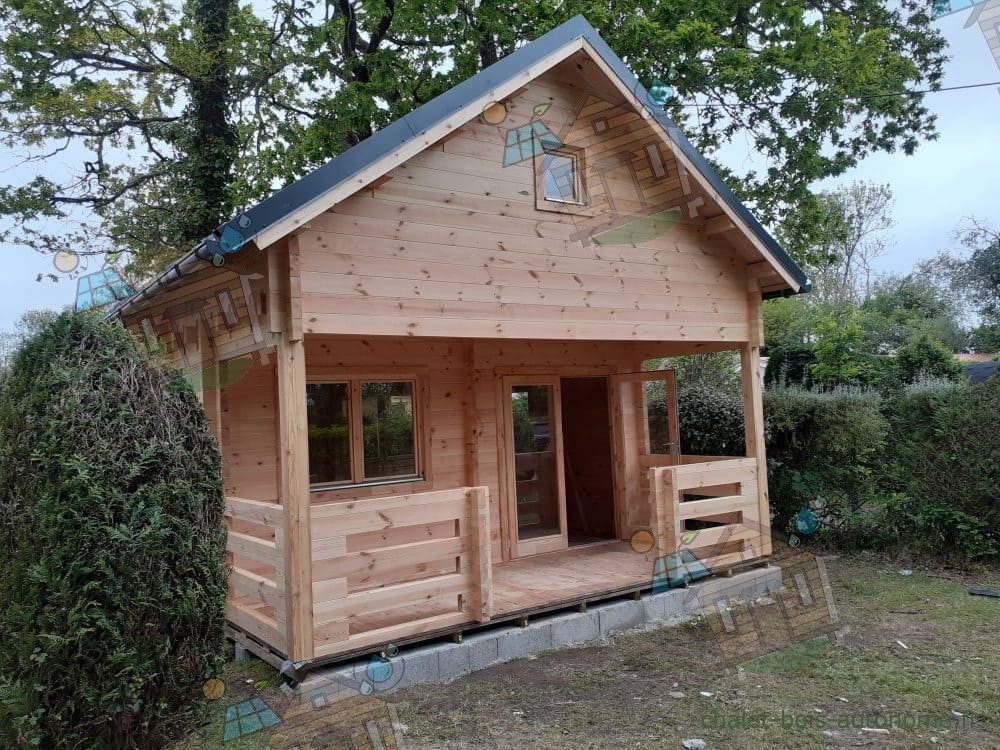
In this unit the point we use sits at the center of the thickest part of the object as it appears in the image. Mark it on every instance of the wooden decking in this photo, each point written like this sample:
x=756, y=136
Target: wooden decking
x=558, y=579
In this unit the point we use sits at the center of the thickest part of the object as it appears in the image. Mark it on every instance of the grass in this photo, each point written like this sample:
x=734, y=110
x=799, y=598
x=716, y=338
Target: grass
x=627, y=692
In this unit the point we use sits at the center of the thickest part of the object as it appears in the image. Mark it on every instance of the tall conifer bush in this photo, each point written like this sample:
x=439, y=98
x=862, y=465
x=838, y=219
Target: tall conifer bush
x=112, y=576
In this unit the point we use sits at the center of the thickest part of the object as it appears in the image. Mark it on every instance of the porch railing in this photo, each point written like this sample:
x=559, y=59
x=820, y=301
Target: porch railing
x=389, y=568
x=255, y=548
x=709, y=508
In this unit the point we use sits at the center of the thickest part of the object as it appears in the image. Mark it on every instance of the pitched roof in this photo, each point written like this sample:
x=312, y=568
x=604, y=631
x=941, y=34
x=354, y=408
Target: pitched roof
x=352, y=170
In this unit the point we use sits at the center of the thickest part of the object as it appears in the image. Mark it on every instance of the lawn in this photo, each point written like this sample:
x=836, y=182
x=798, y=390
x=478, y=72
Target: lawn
x=919, y=649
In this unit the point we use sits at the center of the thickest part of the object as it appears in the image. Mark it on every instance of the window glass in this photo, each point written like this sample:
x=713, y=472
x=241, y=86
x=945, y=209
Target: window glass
x=658, y=417
x=535, y=468
x=561, y=183
x=329, y=432
x=387, y=421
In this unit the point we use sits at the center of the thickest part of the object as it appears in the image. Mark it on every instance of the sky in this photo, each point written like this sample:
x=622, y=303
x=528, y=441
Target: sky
x=936, y=190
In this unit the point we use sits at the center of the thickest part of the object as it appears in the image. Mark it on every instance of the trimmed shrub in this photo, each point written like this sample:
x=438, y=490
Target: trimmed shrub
x=823, y=448
x=112, y=577
x=789, y=365
x=946, y=469
x=711, y=422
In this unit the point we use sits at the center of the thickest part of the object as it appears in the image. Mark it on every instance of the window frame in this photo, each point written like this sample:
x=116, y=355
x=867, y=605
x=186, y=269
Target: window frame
x=421, y=432
x=542, y=200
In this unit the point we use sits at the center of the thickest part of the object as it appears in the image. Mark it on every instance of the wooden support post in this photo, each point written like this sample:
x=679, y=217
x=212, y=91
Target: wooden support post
x=663, y=501
x=482, y=554
x=294, y=488
x=753, y=410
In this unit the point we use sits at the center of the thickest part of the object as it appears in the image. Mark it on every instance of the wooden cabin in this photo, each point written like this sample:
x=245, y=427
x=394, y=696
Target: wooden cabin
x=424, y=361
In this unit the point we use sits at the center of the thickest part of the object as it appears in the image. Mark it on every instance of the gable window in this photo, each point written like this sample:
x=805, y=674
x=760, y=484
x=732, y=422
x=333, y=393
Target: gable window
x=562, y=177
x=362, y=432
x=560, y=183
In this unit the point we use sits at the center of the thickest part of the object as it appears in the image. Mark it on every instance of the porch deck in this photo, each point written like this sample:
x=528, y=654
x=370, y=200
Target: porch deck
x=558, y=579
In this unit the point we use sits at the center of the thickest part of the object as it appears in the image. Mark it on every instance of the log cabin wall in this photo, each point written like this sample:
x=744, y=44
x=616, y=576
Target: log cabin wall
x=454, y=243
x=459, y=412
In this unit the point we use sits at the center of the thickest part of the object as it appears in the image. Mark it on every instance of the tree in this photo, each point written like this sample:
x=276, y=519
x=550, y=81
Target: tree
x=839, y=234
x=904, y=307
x=980, y=276
x=173, y=117
x=838, y=339
x=925, y=358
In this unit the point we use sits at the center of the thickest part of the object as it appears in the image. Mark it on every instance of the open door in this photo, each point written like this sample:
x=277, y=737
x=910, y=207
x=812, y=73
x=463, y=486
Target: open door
x=647, y=434
x=535, y=484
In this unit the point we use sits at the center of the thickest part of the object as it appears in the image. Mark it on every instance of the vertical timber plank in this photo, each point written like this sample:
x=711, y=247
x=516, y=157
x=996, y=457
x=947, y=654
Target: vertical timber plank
x=753, y=409
x=294, y=453
x=483, y=554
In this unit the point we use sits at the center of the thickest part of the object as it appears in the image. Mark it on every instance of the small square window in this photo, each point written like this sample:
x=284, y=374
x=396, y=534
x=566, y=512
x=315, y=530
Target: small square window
x=560, y=177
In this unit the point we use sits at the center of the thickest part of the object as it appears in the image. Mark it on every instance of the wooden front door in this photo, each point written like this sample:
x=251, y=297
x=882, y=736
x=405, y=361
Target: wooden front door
x=535, y=493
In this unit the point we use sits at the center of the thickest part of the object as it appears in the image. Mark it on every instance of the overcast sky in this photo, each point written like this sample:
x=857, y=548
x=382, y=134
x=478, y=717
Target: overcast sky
x=945, y=182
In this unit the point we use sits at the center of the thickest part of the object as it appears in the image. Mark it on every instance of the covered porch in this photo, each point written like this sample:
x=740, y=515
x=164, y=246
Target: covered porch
x=426, y=487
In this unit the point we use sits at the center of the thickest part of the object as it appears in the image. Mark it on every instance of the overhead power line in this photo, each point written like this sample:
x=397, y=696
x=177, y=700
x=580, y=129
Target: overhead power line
x=864, y=97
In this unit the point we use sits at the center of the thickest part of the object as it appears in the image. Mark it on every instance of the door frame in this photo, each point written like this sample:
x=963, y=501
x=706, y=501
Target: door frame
x=630, y=426
x=513, y=546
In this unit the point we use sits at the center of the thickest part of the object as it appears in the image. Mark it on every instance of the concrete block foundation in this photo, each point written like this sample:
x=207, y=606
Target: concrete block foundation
x=445, y=661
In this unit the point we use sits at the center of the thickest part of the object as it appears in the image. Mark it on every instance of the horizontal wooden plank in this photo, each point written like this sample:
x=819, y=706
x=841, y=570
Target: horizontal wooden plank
x=715, y=506
x=395, y=632
x=379, y=520
x=583, y=331
x=715, y=535
x=384, y=559
x=396, y=595
x=247, y=583
x=257, y=624
x=268, y=514
x=336, y=288
x=413, y=500
x=257, y=549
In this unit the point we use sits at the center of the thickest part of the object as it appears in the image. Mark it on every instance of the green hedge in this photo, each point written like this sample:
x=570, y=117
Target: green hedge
x=711, y=422
x=945, y=471
x=916, y=468
x=112, y=577
x=822, y=449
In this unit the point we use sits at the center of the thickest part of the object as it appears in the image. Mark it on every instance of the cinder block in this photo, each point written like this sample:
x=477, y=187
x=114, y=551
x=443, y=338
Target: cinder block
x=453, y=661
x=518, y=642
x=482, y=650
x=421, y=665
x=618, y=616
x=578, y=627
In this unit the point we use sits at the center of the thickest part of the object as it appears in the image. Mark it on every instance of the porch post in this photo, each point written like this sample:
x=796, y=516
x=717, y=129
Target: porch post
x=753, y=410
x=294, y=471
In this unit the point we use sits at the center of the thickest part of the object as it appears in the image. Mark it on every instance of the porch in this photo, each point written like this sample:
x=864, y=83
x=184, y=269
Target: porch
x=370, y=589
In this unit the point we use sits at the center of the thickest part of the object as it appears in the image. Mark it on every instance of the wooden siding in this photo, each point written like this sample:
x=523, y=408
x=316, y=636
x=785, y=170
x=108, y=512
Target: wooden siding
x=453, y=243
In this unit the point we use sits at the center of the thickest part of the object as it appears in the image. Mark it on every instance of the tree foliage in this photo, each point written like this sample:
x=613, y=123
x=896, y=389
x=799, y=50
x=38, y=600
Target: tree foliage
x=839, y=234
x=172, y=116
x=112, y=576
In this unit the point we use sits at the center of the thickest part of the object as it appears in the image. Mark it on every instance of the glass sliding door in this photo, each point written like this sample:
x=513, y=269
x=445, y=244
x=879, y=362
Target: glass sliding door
x=536, y=495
